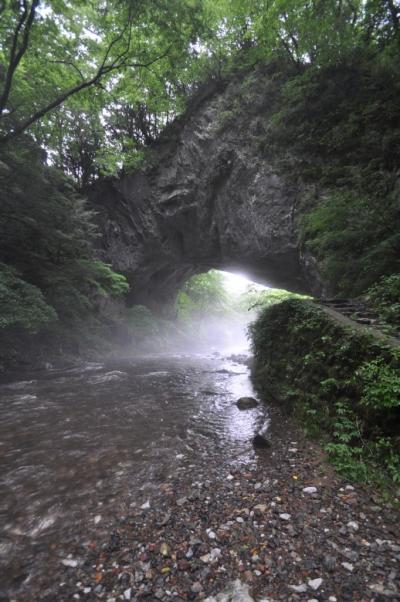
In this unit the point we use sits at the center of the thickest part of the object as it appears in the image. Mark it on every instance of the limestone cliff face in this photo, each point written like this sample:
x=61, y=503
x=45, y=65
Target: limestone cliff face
x=211, y=202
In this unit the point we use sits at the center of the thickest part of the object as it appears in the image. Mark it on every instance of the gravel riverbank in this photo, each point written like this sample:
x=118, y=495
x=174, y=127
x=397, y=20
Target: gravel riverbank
x=183, y=508
x=283, y=523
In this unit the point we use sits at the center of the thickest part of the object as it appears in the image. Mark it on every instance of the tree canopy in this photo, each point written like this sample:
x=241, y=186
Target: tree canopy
x=93, y=82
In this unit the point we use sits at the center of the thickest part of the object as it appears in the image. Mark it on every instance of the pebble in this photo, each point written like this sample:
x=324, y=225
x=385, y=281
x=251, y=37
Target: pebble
x=299, y=589
x=197, y=587
x=268, y=532
x=69, y=562
x=353, y=525
x=315, y=583
x=128, y=593
x=329, y=562
x=164, y=549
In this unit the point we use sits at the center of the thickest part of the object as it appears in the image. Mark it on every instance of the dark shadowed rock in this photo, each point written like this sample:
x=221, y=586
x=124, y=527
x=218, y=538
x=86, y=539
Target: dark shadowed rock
x=246, y=403
x=261, y=442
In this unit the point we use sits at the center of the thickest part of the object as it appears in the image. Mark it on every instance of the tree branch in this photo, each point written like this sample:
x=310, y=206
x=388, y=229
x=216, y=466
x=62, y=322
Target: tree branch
x=103, y=70
x=24, y=24
x=394, y=13
x=68, y=64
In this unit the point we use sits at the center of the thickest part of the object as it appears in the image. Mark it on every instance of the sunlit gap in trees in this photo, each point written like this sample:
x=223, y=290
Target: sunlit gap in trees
x=215, y=308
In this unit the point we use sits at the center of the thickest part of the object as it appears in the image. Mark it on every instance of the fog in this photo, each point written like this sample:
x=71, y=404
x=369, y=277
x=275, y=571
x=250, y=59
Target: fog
x=212, y=314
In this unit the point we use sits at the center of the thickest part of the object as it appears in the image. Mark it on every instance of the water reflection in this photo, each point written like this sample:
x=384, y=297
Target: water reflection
x=74, y=442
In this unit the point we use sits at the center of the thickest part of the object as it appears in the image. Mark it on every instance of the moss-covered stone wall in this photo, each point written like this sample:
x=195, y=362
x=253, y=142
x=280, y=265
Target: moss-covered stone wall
x=343, y=384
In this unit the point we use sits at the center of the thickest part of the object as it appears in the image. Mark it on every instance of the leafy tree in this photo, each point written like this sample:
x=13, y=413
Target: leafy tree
x=202, y=295
x=21, y=304
x=47, y=235
x=254, y=299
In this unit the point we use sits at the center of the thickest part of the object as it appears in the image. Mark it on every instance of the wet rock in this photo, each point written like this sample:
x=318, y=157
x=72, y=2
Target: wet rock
x=246, y=403
x=260, y=442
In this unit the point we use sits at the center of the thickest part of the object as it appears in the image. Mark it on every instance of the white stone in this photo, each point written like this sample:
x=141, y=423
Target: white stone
x=128, y=593
x=284, y=516
x=97, y=519
x=348, y=566
x=353, y=525
x=299, y=589
x=310, y=490
x=315, y=583
x=145, y=506
x=235, y=591
x=69, y=562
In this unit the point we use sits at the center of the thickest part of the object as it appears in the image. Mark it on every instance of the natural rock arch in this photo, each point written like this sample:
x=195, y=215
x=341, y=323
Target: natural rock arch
x=211, y=201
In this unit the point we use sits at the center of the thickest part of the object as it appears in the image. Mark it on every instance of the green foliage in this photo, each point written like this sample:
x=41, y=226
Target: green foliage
x=259, y=299
x=380, y=384
x=46, y=234
x=201, y=296
x=384, y=296
x=337, y=127
x=353, y=238
x=343, y=386
x=94, y=82
x=141, y=323
x=22, y=305
x=106, y=282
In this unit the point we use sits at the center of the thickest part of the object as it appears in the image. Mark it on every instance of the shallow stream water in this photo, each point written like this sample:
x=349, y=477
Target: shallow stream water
x=75, y=444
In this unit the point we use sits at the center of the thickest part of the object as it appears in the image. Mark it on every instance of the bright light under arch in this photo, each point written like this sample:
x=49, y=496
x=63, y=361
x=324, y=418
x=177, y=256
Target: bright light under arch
x=236, y=284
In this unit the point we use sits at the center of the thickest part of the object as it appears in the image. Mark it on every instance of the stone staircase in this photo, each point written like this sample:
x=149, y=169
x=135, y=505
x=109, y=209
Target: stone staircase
x=357, y=310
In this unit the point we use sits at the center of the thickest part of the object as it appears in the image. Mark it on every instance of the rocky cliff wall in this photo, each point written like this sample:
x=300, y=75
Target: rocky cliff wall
x=211, y=201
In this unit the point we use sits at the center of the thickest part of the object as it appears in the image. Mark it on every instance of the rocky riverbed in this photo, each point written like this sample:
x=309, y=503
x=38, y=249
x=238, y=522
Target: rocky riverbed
x=283, y=524
x=216, y=520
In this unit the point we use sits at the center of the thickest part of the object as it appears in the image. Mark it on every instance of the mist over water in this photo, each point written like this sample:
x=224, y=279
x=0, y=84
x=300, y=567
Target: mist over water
x=77, y=445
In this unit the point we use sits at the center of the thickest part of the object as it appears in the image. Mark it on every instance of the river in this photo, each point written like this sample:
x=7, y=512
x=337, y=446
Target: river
x=79, y=443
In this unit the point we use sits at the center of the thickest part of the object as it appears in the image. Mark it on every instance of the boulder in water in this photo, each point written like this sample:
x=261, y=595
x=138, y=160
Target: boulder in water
x=260, y=442
x=246, y=403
